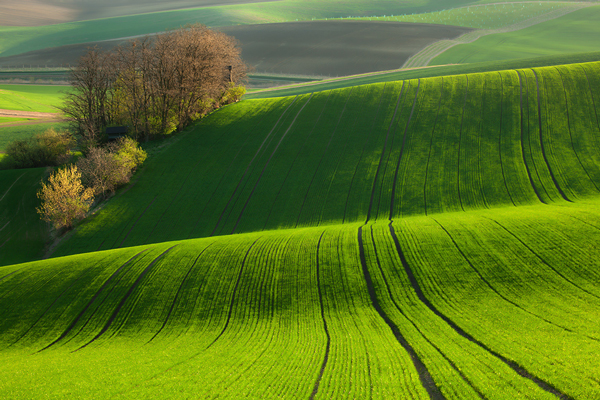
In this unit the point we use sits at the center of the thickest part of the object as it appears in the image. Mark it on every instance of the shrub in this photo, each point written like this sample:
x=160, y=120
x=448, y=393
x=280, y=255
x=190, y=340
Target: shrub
x=64, y=198
x=45, y=149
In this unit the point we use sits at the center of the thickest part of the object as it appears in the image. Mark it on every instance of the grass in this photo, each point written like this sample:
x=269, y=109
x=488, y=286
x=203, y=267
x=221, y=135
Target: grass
x=31, y=97
x=575, y=32
x=445, y=70
x=11, y=133
x=16, y=40
x=367, y=152
x=482, y=16
x=426, y=238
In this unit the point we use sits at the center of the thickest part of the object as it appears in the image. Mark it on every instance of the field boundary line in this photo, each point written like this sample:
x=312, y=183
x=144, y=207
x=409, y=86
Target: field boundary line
x=126, y=297
x=512, y=364
x=424, y=376
x=267, y=164
x=426, y=55
x=92, y=300
x=537, y=82
x=249, y=165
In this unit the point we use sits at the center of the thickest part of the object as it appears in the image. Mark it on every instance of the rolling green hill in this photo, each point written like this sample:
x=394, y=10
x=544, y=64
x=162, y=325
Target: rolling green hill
x=575, y=32
x=433, y=238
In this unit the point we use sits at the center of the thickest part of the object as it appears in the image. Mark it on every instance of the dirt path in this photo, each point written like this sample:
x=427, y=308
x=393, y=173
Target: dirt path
x=40, y=117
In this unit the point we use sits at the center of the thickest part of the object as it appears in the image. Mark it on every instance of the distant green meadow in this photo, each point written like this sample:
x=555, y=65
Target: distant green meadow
x=31, y=97
x=572, y=33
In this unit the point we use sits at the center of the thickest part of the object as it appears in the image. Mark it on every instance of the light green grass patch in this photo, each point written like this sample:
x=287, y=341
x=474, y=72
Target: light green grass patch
x=36, y=98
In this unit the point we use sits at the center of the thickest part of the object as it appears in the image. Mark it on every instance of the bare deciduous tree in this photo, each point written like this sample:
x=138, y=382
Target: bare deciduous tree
x=155, y=85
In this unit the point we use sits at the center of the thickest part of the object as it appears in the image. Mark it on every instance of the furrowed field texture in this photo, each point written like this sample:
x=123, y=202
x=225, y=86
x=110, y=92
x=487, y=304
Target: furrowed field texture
x=432, y=238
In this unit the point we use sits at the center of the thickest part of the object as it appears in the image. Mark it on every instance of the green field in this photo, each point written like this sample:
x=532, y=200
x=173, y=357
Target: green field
x=574, y=32
x=482, y=16
x=430, y=238
x=31, y=97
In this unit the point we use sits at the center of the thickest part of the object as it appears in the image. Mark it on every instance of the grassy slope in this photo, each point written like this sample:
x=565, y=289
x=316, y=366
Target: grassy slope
x=31, y=97
x=289, y=313
x=415, y=147
x=444, y=70
x=497, y=301
x=575, y=32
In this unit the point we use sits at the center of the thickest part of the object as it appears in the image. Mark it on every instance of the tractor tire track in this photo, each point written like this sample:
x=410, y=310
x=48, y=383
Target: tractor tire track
x=512, y=364
x=592, y=94
x=570, y=132
x=424, y=375
x=387, y=135
x=402, y=149
x=92, y=300
x=537, y=82
x=294, y=162
x=183, y=282
x=462, y=120
x=500, y=139
x=136, y=221
x=544, y=261
x=328, y=346
x=124, y=299
x=431, y=146
x=248, y=167
x=323, y=157
x=267, y=164
x=362, y=153
x=523, y=143
x=489, y=285
x=237, y=283
x=10, y=187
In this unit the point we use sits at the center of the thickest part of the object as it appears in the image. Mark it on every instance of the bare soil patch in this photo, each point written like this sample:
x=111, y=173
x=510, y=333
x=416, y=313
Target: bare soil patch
x=34, y=13
x=335, y=48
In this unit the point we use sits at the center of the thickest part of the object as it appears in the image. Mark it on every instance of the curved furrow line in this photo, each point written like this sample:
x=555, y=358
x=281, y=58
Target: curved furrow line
x=217, y=187
x=184, y=280
x=387, y=135
x=571, y=133
x=523, y=143
x=363, y=150
x=431, y=146
x=237, y=284
x=512, y=364
x=9, y=274
x=82, y=274
x=464, y=256
x=592, y=94
x=535, y=167
x=124, y=299
x=92, y=300
x=267, y=164
x=10, y=187
x=544, y=261
x=462, y=120
x=500, y=139
x=249, y=165
x=564, y=196
x=402, y=149
x=424, y=375
x=294, y=161
x=327, y=347
x=137, y=220
x=323, y=156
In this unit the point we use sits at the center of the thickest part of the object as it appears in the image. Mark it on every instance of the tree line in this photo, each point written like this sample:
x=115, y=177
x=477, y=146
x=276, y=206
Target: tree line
x=154, y=85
